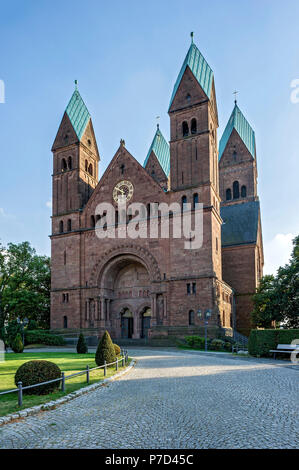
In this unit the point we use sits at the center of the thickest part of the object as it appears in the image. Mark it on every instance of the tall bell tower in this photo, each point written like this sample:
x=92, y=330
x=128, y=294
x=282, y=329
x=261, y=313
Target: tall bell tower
x=194, y=123
x=75, y=159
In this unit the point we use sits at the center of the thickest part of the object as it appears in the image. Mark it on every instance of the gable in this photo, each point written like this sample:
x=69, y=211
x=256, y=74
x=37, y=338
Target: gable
x=188, y=86
x=199, y=68
x=146, y=189
x=160, y=148
x=238, y=122
x=154, y=168
x=65, y=135
x=89, y=140
x=240, y=223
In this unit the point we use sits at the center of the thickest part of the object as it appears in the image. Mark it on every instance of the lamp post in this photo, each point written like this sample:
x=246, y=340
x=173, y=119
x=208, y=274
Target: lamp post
x=206, y=316
x=23, y=323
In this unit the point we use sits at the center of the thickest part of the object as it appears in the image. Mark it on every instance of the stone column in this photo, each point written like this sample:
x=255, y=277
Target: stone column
x=103, y=310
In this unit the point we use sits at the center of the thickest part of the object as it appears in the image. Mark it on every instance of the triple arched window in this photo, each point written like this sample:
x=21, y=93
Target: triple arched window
x=61, y=226
x=63, y=165
x=193, y=126
x=69, y=225
x=236, y=191
x=184, y=202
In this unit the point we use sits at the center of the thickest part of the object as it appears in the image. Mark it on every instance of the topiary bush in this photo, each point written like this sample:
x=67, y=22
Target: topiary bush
x=81, y=345
x=34, y=372
x=105, y=350
x=17, y=345
x=216, y=344
x=116, y=349
x=41, y=337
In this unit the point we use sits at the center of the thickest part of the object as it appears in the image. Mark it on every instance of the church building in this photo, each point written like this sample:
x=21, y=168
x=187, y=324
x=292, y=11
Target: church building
x=156, y=287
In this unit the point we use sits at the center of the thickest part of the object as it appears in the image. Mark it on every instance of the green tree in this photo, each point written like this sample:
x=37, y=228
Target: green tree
x=81, y=345
x=105, y=350
x=24, y=284
x=277, y=297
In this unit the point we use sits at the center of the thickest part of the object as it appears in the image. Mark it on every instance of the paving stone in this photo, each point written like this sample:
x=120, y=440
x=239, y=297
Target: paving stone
x=173, y=399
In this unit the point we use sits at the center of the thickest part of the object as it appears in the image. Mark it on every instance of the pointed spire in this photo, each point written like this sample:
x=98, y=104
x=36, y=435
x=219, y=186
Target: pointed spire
x=238, y=122
x=77, y=112
x=160, y=147
x=235, y=93
x=200, y=69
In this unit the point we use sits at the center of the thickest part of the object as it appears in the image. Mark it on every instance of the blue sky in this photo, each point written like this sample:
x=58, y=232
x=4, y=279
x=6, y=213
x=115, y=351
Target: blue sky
x=126, y=57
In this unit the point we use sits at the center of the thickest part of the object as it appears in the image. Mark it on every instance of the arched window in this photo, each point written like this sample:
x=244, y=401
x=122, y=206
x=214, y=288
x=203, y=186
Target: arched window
x=70, y=163
x=61, y=226
x=184, y=202
x=86, y=165
x=63, y=164
x=195, y=200
x=243, y=191
x=191, y=317
x=236, y=190
x=188, y=97
x=65, y=321
x=193, y=126
x=185, y=129
x=69, y=225
x=90, y=169
x=228, y=194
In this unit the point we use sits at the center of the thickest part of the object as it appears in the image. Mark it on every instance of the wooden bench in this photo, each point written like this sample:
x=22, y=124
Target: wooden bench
x=285, y=349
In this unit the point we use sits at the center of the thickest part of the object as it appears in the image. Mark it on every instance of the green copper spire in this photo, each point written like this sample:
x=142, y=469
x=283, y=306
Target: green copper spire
x=77, y=113
x=238, y=122
x=200, y=69
x=160, y=147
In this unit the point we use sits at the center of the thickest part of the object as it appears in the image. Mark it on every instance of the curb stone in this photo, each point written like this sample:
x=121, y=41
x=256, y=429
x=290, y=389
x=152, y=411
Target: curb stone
x=54, y=404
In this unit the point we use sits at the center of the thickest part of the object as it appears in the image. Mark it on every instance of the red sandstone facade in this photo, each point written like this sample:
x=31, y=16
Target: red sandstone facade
x=146, y=287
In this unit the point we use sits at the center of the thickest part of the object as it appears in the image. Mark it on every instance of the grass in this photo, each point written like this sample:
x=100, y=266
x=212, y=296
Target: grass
x=68, y=363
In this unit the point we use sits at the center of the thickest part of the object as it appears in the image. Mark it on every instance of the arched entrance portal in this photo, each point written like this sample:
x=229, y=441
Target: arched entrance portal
x=125, y=295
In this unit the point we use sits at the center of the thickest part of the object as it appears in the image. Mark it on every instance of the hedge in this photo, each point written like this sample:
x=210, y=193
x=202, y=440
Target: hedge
x=42, y=337
x=261, y=341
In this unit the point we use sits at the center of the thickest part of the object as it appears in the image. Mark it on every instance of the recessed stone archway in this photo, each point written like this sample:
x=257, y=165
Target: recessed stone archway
x=125, y=288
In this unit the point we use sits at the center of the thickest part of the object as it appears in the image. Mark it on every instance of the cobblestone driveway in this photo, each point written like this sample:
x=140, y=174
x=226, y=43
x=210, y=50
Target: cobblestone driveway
x=174, y=400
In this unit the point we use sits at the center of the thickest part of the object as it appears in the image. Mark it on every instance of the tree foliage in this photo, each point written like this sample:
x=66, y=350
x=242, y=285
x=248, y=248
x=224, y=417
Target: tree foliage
x=24, y=284
x=277, y=297
x=105, y=350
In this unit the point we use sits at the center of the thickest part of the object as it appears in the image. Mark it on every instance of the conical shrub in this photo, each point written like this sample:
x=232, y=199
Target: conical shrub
x=17, y=345
x=105, y=350
x=81, y=345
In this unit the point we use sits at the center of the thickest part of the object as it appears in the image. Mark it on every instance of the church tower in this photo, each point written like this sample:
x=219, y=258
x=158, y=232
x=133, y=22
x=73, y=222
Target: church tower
x=75, y=159
x=194, y=179
x=75, y=175
x=242, y=245
x=193, y=126
x=237, y=161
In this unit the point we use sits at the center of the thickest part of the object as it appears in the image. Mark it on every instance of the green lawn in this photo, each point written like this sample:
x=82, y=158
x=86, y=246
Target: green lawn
x=68, y=363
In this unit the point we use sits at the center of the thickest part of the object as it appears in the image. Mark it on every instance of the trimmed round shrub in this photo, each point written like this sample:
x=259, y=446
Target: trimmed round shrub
x=217, y=344
x=81, y=345
x=116, y=349
x=105, y=350
x=17, y=344
x=34, y=372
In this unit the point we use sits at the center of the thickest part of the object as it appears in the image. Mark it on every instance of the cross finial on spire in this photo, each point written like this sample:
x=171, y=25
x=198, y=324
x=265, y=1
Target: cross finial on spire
x=235, y=93
x=76, y=84
x=157, y=117
x=192, y=34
